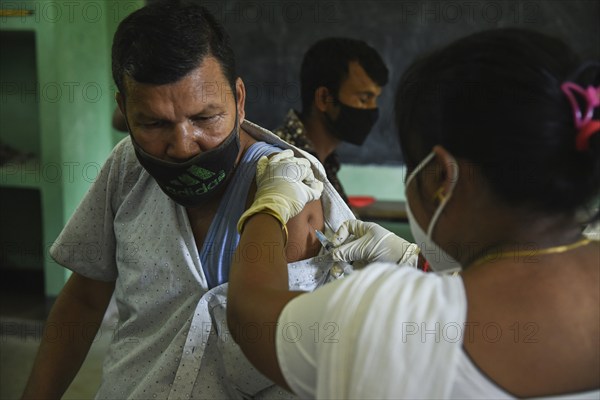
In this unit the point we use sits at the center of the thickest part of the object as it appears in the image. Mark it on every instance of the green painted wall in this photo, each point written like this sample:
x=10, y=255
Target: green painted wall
x=75, y=99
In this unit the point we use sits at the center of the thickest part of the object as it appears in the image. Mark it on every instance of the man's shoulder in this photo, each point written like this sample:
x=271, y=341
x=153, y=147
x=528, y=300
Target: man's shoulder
x=123, y=156
x=124, y=170
x=261, y=134
x=291, y=127
x=123, y=148
x=293, y=131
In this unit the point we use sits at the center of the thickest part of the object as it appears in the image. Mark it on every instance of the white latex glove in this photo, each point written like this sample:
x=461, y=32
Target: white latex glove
x=284, y=184
x=371, y=243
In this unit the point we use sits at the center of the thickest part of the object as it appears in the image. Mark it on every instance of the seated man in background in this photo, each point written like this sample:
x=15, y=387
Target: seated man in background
x=163, y=218
x=340, y=81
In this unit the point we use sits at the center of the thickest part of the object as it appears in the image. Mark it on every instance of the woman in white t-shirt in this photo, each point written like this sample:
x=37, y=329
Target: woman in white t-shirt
x=500, y=133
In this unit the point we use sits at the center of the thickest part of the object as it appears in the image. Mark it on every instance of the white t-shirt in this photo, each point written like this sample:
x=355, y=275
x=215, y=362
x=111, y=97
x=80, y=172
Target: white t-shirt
x=384, y=332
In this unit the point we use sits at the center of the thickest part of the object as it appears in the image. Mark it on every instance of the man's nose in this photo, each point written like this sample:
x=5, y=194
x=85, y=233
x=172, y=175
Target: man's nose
x=183, y=144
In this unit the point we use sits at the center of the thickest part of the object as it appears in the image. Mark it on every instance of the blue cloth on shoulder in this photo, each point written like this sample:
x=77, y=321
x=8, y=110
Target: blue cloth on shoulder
x=222, y=238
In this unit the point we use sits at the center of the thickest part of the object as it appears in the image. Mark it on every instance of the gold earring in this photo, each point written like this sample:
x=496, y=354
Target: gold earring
x=439, y=195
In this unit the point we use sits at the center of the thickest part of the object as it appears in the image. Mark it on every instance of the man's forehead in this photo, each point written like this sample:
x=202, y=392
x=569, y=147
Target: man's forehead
x=208, y=76
x=203, y=90
x=358, y=79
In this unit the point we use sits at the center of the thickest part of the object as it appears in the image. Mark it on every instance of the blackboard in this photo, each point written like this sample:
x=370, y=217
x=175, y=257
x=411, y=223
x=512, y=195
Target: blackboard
x=270, y=38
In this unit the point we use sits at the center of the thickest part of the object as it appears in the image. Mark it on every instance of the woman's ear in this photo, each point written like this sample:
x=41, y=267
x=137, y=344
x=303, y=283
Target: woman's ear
x=447, y=173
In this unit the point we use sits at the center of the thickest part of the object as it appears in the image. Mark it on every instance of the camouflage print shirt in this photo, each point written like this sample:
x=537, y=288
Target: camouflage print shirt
x=293, y=132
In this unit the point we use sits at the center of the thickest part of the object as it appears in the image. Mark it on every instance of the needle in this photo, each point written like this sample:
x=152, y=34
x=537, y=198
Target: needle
x=326, y=243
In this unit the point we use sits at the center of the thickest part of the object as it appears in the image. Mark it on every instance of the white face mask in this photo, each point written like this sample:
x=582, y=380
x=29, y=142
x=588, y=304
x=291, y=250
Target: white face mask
x=439, y=260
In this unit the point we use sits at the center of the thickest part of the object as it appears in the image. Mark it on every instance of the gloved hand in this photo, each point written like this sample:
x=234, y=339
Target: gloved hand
x=371, y=243
x=284, y=184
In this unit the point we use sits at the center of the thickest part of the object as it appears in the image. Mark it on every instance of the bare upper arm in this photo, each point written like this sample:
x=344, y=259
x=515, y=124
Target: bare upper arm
x=302, y=241
x=91, y=293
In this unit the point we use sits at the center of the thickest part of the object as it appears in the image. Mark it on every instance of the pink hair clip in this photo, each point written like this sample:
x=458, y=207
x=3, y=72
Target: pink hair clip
x=585, y=125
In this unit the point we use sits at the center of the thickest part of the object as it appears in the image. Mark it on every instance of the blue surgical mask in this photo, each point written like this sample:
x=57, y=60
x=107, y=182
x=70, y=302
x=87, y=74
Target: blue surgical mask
x=439, y=260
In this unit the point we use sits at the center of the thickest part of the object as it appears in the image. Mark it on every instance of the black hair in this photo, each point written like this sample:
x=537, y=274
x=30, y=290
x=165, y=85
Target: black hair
x=165, y=40
x=326, y=64
x=494, y=99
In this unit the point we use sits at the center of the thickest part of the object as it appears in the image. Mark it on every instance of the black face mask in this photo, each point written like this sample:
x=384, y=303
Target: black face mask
x=352, y=124
x=194, y=182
